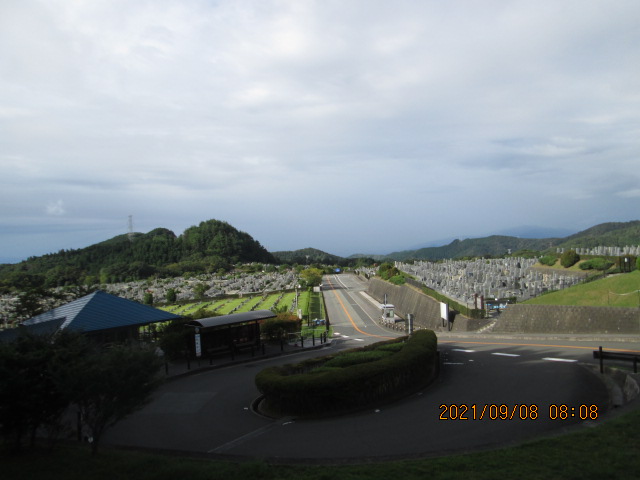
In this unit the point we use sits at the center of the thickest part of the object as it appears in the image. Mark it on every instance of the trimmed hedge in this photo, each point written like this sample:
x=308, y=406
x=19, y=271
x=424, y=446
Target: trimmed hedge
x=311, y=388
x=601, y=264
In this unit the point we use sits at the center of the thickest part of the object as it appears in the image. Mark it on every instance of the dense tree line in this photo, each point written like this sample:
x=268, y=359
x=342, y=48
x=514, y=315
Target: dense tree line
x=44, y=379
x=212, y=246
x=307, y=256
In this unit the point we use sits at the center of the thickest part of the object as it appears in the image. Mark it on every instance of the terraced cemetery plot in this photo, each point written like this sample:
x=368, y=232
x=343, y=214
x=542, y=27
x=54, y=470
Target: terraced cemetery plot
x=307, y=302
x=229, y=306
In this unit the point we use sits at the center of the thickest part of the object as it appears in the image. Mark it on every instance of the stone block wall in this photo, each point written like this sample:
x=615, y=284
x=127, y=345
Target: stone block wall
x=568, y=319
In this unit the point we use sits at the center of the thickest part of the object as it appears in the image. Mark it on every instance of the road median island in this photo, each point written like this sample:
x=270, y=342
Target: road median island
x=351, y=380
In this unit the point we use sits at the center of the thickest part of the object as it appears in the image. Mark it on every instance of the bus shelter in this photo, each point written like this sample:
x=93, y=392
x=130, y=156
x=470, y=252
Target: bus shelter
x=227, y=333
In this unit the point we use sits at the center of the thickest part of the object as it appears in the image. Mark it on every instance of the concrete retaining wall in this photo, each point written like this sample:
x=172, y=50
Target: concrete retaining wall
x=566, y=319
x=515, y=319
x=426, y=310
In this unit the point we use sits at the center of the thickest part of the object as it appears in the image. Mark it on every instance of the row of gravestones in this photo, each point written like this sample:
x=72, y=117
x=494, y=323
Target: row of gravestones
x=463, y=280
x=217, y=285
x=633, y=250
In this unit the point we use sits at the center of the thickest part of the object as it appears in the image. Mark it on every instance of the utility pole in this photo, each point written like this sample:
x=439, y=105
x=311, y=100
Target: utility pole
x=130, y=232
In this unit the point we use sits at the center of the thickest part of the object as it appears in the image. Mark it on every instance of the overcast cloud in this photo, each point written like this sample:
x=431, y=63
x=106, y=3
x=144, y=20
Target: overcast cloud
x=348, y=126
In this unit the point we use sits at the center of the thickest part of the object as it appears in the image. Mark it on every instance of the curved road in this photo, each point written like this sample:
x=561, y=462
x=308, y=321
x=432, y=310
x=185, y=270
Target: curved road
x=510, y=384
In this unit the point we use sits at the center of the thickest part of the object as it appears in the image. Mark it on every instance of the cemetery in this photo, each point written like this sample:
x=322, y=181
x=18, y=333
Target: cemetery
x=466, y=281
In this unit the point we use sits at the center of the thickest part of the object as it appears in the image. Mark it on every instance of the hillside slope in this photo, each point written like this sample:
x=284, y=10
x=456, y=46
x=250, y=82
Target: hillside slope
x=211, y=246
x=622, y=290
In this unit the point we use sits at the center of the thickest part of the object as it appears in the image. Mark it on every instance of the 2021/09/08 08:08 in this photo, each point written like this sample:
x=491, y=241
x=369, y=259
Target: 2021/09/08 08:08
x=516, y=412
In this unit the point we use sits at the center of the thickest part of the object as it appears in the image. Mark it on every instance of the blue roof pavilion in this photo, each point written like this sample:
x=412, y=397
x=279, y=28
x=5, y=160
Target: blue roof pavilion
x=98, y=313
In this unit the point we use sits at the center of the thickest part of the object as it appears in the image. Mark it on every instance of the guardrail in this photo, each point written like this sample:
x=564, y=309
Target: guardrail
x=629, y=357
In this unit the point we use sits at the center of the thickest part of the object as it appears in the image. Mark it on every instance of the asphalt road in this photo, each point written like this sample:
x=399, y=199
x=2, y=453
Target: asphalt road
x=490, y=392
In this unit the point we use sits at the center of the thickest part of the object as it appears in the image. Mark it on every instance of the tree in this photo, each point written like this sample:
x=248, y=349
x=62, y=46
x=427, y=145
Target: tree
x=569, y=258
x=200, y=290
x=148, y=298
x=171, y=295
x=109, y=385
x=388, y=270
x=30, y=303
x=173, y=339
x=312, y=277
x=276, y=329
x=32, y=396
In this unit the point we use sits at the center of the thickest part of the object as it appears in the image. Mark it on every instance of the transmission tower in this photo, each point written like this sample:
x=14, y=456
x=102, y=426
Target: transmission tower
x=130, y=233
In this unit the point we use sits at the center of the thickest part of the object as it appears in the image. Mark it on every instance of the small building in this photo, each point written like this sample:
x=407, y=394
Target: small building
x=100, y=315
x=388, y=312
x=227, y=333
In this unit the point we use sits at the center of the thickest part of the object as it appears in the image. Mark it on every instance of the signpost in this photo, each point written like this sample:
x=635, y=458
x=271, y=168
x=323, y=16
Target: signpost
x=444, y=313
x=198, y=343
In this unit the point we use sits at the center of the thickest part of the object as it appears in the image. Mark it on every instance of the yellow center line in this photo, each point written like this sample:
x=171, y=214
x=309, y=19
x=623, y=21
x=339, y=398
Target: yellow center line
x=474, y=343
x=349, y=316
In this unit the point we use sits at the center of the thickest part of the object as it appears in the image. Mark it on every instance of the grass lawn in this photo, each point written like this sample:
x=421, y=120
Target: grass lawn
x=619, y=290
x=229, y=305
x=606, y=451
x=303, y=303
x=224, y=306
x=268, y=302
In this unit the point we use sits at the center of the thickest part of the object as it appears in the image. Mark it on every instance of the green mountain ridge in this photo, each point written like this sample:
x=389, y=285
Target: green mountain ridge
x=211, y=246
x=215, y=246
x=613, y=234
x=307, y=256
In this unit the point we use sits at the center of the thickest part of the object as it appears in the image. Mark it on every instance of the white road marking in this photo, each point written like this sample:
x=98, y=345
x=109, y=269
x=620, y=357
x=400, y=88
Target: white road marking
x=560, y=359
x=358, y=339
x=462, y=350
x=248, y=436
x=505, y=354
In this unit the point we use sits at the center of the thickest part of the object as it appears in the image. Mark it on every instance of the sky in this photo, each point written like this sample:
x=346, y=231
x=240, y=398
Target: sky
x=351, y=126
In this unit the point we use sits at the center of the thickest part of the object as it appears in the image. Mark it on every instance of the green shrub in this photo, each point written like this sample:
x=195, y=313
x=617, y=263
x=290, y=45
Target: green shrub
x=601, y=264
x=324, y=369
x=274, y=329
x=549, y=260
x=173, y=339
x=353, y=358
x=569, y=258
x=398, y=279
x=391, y=347
x=293, y=389
x=388, y=270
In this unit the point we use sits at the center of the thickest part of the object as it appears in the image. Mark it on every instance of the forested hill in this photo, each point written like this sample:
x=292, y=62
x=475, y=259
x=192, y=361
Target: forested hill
x=612, y=234
x=209, y=247
x=307, y=256
x=494, y=245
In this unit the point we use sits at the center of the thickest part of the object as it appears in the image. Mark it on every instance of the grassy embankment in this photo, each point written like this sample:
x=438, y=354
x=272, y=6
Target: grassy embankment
x=620, y=290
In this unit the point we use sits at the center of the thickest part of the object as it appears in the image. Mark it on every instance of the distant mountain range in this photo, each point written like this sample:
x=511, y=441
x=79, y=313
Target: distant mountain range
x=607, y=234
x=214, y=246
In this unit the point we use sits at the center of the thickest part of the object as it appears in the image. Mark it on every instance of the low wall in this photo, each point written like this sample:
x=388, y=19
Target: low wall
x=425, y=309
x=567, y=319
